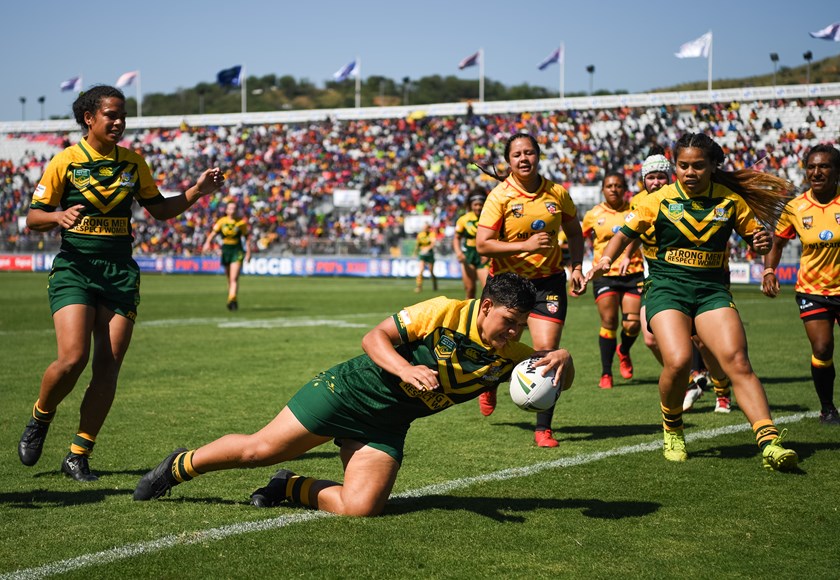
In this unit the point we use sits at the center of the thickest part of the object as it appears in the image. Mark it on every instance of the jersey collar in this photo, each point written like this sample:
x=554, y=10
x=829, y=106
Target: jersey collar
x=512, y=184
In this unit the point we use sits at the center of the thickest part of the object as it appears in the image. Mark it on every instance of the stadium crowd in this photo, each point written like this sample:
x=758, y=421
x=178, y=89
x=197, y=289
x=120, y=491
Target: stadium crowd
x=283, y=176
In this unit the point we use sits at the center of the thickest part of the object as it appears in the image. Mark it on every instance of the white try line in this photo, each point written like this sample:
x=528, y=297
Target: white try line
x=214, y=534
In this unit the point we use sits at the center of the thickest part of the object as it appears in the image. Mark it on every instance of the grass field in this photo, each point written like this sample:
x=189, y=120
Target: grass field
x=475, y=497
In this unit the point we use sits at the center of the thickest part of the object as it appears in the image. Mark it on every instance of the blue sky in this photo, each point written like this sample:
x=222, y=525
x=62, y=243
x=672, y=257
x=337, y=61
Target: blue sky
x=179, y=43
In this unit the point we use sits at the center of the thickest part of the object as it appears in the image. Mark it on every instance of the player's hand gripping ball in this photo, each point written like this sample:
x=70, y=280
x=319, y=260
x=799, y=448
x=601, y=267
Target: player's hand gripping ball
x=529, y=389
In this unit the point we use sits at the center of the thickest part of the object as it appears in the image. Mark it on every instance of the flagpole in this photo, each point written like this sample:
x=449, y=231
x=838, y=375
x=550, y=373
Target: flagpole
x=358, y=82
x=710, y=62
x=562, y=69
x=244, y=88
x=481, y=75
x=139, y=97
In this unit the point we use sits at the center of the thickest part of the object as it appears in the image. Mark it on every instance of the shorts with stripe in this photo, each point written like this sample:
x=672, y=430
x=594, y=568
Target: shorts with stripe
x=631, y=284
x=552, y=302
x=818, y=307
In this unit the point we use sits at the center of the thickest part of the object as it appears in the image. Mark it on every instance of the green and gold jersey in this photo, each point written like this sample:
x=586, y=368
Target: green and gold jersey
x=465, y=229
x=692, y=230
x=233, y=231
x=517, y=215
x=602, y=223
x=106, y=185
x=442, y=334
x=818, y=228
x=649, y=237
x=425, y=243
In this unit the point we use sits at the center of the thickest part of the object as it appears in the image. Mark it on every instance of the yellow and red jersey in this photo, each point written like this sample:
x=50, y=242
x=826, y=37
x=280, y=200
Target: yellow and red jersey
x=602, y=223
x=516, y=215
x=818, y=228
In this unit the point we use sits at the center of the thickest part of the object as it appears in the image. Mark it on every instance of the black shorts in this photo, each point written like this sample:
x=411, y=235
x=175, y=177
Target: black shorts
x=818, y=307
x=631, y=284
x=552, y=301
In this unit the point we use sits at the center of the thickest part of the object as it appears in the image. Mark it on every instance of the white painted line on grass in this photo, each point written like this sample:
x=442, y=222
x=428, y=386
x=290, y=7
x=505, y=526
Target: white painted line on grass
x=189, y=538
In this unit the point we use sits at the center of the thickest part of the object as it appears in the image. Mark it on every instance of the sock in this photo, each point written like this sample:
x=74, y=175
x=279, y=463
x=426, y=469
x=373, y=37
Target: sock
x=823, y=374
x=544, y=420
x=671, y=418
x=606, y=344
x=765, y=432
x=40, y=415
x=721, y=387
x=182, y=467
x=627, y=341
x=297, y=489
x=420, y=280
x=697, y=363
x=82, y=444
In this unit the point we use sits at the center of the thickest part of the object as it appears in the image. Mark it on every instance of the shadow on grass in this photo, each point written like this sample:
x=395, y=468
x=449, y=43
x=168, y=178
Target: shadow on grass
x=748, y=450
x=782, y=380
x=514, y=509
x=593, y=432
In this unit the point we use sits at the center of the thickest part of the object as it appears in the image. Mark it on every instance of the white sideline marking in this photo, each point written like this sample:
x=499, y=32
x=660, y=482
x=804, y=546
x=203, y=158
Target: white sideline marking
x=189, y=538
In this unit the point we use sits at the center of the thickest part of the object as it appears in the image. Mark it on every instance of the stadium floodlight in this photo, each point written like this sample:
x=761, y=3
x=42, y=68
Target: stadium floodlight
x=41, y=100
x=808, y=56
x=23, y=108
x=591, y=70
x=775, y=58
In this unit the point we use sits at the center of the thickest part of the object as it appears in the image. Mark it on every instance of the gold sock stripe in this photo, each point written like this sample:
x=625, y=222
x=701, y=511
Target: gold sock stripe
x=606, y=333
x=721, y=386
x=182, y=469
x=633, y=334
x=82, y=444
x=671, y=418
x=304, y=491
x=765, y=432
x=821, y=364
x=40, y=415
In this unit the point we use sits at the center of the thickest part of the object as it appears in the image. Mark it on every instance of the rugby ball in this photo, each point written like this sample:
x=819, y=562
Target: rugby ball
x=531, y=391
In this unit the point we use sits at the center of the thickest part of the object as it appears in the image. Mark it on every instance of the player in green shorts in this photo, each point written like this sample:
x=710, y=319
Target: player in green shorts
x=94, y=286
x=473, y=265
x=693, y=219
x=236, y=248
x=422, y=360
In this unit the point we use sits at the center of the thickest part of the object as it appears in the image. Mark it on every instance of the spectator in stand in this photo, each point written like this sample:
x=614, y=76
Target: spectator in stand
x=518, y=229
x=814, y=216
x=94, y=284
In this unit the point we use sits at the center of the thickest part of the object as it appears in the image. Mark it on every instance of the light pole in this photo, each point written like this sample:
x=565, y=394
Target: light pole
x=23, y=108
x=808, y=56
x=41, y=101
x=406, y=89
x=591, y=70
x=775, y=58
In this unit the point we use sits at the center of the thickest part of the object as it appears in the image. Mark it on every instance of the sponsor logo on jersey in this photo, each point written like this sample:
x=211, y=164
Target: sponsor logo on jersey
x=826, y=235
x=434, y=400
x=106, y=172
x=694, y=258
x=615, y=229
x=404, y=318
x=537, y=225
x=696, y=206
x=837, y=218
x=720, y=214
x=126, y=179
x=444, y=348
x=516, y=210
x=675, y=211
x=39, y=191
x=80, y=178
x=808, y=222
x=601, y=221
x=630, y=216
x=102, y=226
x=551, y=207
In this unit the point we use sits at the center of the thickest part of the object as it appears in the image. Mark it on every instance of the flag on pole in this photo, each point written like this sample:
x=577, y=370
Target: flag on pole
x=471, y=60
x=348, y=70
x=126, y=79
x=230, y=77
x=696, y=48
x=72, y=84
x=556, y=56
x=830, y=32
